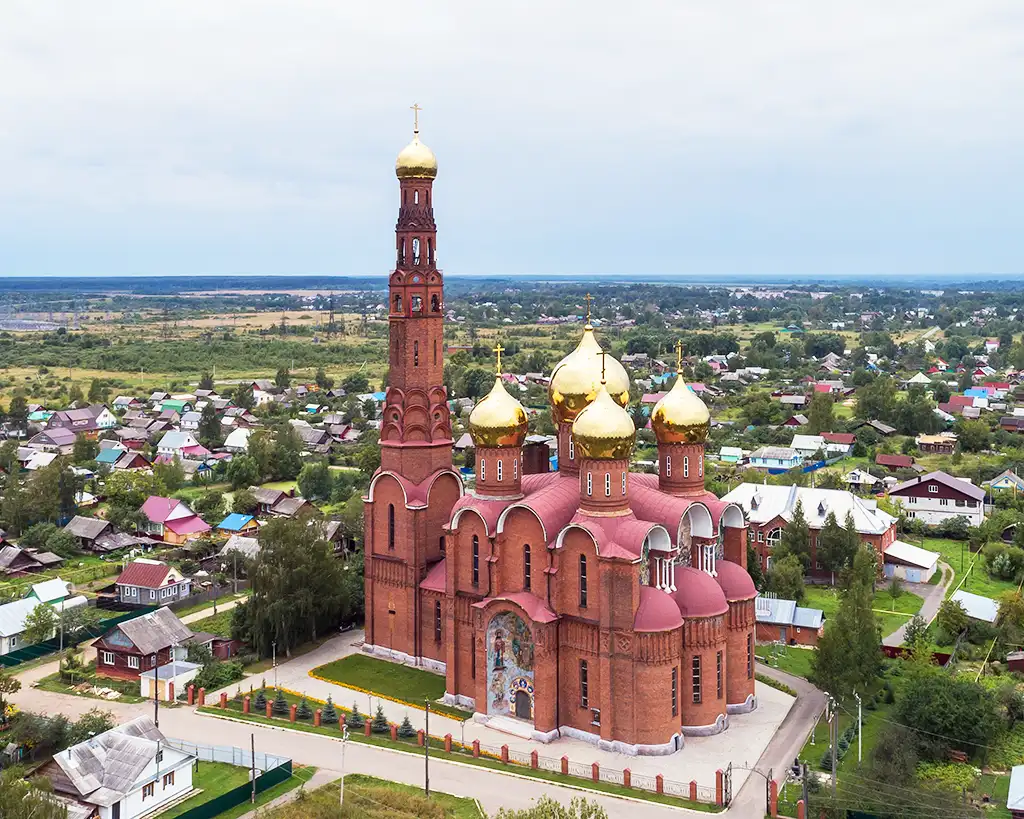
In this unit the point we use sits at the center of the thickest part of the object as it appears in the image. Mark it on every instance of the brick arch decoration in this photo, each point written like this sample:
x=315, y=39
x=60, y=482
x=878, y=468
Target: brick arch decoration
x=511, y=657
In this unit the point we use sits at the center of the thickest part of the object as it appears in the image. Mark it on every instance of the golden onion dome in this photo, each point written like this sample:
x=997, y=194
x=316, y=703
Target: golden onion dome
x=603, y=429
x=576, y=379
x=416, y=161
x=681, y=417
x=498, y=419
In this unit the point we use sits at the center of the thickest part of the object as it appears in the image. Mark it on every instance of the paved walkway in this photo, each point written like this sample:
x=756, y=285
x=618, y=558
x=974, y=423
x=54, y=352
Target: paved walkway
x=320, y=778
x=933, y=596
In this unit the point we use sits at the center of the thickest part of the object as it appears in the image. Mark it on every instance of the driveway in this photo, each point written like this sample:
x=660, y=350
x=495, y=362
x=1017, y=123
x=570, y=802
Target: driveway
x=933, y=596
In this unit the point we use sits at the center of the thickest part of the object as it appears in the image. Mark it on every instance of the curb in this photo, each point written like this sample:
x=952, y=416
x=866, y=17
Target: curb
x=497, y=771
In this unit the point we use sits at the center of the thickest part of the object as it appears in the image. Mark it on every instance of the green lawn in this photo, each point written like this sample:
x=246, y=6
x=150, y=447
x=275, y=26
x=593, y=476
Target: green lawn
x=219, y=624
x=227, y=597
x=300, y=776
x=284, y=486
x=367, y=797
x=978, y=580
x=400, y=682
x=826, y=598
x=791, y=659
x=214, y=778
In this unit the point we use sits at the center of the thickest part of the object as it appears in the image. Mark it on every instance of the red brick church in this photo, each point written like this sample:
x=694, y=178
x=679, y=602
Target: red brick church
x=591, y=602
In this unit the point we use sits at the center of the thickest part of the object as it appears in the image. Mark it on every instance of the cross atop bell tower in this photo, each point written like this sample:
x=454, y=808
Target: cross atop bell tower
x=416, y=426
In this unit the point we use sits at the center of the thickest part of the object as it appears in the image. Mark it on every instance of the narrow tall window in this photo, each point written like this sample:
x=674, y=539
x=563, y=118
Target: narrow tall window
x=415, y=354
x=675, y=691
x=695, y=663
x=416, y=197
x=391, y=527
x=476, y=560
x=437, y=621
x=623, y=483
x=435, y=304
x=526, y=567
x=590, y=484
x=584, y=686
x=583, y=581
x=572, y=449
x=718, y=672
x=499, y=469
x=750, y=656
x=686, y=466
x=435, y=348
x=415, y=251
x=398, y=304
x=472, y=660
x=668, y=466
x=483, y=469
x=440, y=545
x=430, y=251
x=607, y=484
x=700, y=466
x=515, y=469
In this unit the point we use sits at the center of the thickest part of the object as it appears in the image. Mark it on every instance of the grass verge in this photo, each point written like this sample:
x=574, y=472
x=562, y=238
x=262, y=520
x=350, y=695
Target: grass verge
x=215, y=778
x=464, y=756
x=409, y=686
x=791, y=659
x=300, y=776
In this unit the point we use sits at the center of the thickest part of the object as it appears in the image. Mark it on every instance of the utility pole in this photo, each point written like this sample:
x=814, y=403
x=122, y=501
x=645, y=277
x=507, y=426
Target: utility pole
x=344, y=742
x=834, y=740
x=858, y=725
x=274, y=663
x=426, y=750
x=803, y=778
x=156, y=690
x=252, y=739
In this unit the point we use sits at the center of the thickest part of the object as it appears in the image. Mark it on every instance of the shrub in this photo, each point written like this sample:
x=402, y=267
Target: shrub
x=260, y=703
x=405, y=730
x=280, y=706
x=380, y=724
x=355, y=719
x=304, y=712
x=329, y=715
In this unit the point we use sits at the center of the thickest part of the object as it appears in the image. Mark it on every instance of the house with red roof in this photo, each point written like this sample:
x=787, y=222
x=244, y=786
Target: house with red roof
x=151, y=583
x=840, y=443
x=172, y=520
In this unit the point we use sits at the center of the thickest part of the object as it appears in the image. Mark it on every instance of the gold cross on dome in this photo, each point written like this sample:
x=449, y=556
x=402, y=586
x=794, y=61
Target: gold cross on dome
x=587, y=298
x=415, y=108
x=603, y=354
x=499, y=350
x=679, y=355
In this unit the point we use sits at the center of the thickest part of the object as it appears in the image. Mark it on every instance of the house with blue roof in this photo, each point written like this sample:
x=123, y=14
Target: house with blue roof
x=237, y=523
x=109, y=456
x=783, y=621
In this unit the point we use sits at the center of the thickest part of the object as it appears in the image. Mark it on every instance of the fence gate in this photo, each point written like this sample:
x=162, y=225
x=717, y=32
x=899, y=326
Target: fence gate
x=727, y=786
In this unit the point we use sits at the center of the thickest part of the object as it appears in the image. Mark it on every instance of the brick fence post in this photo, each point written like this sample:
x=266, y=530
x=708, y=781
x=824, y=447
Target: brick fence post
x=595, y=772
x=447, y=743
x=533, y=760
x=245, y=705
x=719, y=790
x=202, y=696
x=170, y=692
x=565, y=766
x=476, y=748
x=341, y=720
x=659, y=784
x=504, y=754
x=291, y=713
x=270, y=710
x=693, y=790
x=223, y=699
x=419, y=738
x=627, y=778
x=316, y=717
x=191, y=695
x=394, y=732
x=367, y=726
x=801, y=811
x=773, y=798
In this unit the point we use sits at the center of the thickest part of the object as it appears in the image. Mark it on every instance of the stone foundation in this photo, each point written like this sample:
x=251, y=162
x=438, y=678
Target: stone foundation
x=394, y=656
x=745, y=707
x=719, y=725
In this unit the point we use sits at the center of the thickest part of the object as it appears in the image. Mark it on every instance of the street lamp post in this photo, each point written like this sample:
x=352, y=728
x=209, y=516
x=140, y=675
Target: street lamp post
x=859, y=725
x=344, y=742
x=274, y=662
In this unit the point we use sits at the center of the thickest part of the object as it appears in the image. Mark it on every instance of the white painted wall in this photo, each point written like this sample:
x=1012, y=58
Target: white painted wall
x=933, y=511
x=133, y=805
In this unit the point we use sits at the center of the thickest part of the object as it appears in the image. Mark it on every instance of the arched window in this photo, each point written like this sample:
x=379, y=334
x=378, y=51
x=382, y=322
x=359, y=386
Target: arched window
x=499, y=469
x=398, y=303
x=686, y=466
x=695, y=667
x=430, y=251
x=773, y=538
x=476, y=560
x=709, y=559
x=526, y=567
x=483, y=469
x=415, y=354
x=417, y=304
x=416, y=251
x=607, y=484
x=700, y=466
x=668, y=466
x=416, y=197
x=590, y=484
x=391, y=527
x=437, y=621
x=583, y=581
x=435, y=304
x=584, y=685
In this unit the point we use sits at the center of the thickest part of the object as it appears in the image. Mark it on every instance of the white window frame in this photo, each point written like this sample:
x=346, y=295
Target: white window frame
x=590, y=484
x=499, y=470
x=515, y=469
x=686, y=466
x=933, y=488
x=607, y=484
x=668, y=466
x=133, y=661
x=572, y=449
x=623, y=483
x=107, y=657
x=152, y=594
x=700, y=466
x=483, y=469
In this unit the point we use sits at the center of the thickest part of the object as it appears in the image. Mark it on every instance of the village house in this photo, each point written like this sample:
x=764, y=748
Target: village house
x=57, y=440
x=783, y=621
x=238, y=524
x=173, y=443
x=909, y=562
x=775, y=458
x=172, y=520
x=237, y=440
x=769, y=508
x=89, y=421
x=145, y=642
x=936, y=444
x=938, y=497
x=894, y=462
x=151, y=583
x=127, y=772
x=18, y=562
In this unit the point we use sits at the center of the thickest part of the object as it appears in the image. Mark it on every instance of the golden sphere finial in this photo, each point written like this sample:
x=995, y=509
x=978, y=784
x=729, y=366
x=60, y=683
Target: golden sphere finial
x=416, y=160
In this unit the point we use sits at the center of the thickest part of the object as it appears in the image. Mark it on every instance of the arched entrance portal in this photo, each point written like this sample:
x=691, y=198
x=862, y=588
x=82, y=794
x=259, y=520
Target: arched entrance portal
x=510, y=662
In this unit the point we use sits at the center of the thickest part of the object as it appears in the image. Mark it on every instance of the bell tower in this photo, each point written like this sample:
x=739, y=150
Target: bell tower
x=416, y=435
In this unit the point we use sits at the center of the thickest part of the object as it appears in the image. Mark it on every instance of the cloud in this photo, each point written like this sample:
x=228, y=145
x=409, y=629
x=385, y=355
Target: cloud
x=671, y=136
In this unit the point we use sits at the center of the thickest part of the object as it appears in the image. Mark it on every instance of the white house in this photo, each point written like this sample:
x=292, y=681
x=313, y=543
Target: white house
x=807, y=445
x=860, y=479
x=237, y=440
x=174, y=442
x=190, y=421
x=178, y=673
x=775, y=457
x=13, y=616
x=909, y=562
x=937, y=497
x=124, y=773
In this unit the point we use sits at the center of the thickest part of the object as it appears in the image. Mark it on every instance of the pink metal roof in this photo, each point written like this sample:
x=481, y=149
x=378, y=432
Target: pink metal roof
x=734, y=580
x=657, y=611
x=435, y=579
x=158, y=509
x=193, y=525
x=697, y=594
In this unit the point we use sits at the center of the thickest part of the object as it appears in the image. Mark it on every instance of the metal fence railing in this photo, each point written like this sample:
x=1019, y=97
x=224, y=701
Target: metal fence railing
x=239, y=757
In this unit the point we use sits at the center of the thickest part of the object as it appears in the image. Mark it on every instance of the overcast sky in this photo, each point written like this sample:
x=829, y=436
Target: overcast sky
x=576, y=138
